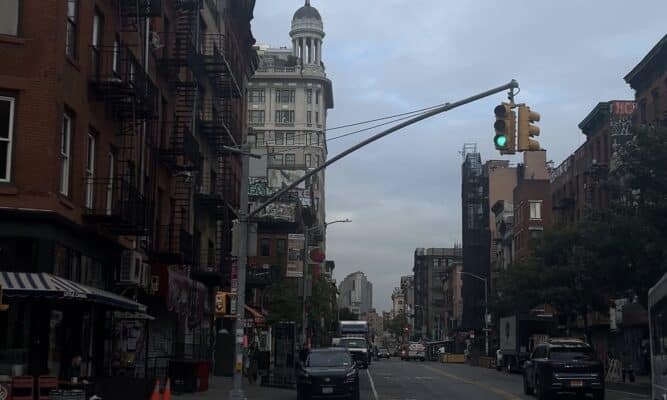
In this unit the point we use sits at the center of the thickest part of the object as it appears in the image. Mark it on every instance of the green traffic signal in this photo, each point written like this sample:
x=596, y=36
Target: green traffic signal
x=500, y=141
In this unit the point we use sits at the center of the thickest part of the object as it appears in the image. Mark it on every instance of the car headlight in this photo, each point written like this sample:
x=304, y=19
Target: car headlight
x=351, y=377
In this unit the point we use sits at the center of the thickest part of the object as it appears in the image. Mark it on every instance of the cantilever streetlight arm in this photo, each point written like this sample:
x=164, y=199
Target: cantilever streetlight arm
x=337, y=222
x=448, y=106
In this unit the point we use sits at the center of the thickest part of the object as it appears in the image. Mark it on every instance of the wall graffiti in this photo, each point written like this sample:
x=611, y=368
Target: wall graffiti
x=279, y=211
x=258, y=186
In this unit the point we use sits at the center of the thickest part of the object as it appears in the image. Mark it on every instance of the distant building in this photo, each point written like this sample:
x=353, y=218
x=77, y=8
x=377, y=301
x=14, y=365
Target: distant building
x=532, y=203
x=476, y=236
x=398, y=302
x=356, y=293
x=408, y=288
x=503, y=236
x=375, y=323
x=431, y=268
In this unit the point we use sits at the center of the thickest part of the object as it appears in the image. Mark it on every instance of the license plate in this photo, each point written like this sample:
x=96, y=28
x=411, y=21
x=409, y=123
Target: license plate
x=577, y=383
x=327, y=390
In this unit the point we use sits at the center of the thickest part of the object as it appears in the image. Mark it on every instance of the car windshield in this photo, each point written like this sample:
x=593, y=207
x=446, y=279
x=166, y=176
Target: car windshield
x=329, y=359
x=571, y=353
x=353, y=343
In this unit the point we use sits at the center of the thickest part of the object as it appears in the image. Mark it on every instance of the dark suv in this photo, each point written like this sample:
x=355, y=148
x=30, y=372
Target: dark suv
x=563, y=365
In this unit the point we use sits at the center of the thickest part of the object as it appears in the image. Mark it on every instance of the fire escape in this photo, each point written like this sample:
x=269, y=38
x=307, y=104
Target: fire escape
x=120, y=202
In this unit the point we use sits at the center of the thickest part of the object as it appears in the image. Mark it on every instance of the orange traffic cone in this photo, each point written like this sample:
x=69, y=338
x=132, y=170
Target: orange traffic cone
x=167, y=391
x=156, y=392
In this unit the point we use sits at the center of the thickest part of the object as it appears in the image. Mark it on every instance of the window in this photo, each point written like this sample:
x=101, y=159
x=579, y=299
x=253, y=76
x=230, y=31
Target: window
x=115, y=56
x=256, y=117
x=309, y=96
x=112, y=172
x=256, y=96
x=96, y=42
x=265, y=247
x=9, y=17
x=65, y=145
x=317, y=160
x=535, y=209
x=281, y=247
x=277, y=159
x=90, y=170
x=309, y=160
x=319, y=139
x=642, y=112
x=309, y=117
x=289, y=138
x=309, y=138
x=259, y=139
x=317, y=117
x=317, y=97
x=285, y=117
x=6, y=133
x=290, y=159
x=280, y=138
x=285, y=95
x=72, y=20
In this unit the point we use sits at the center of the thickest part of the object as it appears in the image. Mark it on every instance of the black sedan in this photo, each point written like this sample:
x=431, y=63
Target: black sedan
x=328, y=374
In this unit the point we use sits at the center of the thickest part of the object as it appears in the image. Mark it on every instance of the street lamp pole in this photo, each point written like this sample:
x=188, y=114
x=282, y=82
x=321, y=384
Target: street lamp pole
x=237, y=392
x=486, y=309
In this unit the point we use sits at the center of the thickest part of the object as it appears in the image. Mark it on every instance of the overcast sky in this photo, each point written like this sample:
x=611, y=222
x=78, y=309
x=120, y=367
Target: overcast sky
x=392, y=56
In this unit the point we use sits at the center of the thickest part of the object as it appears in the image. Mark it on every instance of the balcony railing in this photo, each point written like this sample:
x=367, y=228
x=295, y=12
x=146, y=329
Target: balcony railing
x=117, y=205
x=182, y=150
x=173, y=245
x=119, y=79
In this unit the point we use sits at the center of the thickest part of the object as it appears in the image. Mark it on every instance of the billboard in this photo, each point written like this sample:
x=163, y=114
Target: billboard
x=280, y=178
x=295, y=247
x=279, y=211
x=620, y=127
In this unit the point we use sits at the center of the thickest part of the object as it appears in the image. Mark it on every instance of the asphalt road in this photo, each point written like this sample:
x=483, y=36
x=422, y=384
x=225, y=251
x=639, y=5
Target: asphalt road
x=413, y=380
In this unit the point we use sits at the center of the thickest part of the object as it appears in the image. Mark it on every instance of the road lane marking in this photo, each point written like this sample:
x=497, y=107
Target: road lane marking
x=637, y=395
x=375, y=392
x=506, y=395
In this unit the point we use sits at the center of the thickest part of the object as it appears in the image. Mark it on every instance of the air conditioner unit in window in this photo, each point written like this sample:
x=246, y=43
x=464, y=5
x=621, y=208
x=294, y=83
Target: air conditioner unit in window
x=132, y=268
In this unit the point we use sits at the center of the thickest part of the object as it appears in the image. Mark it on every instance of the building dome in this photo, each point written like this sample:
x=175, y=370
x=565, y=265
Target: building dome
x=307, y=12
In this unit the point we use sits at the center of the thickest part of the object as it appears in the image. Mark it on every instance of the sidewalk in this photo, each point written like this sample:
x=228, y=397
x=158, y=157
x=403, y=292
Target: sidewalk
x=219, y=388
x=641, y=385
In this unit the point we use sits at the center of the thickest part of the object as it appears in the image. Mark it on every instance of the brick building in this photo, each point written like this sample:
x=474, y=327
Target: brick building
x=113, y=179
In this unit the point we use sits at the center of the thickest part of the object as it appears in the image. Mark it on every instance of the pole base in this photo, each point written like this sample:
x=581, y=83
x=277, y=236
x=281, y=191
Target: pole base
x=237, y=394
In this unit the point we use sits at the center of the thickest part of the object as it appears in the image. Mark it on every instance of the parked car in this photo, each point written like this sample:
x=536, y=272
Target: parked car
x=328, y=373
x=563, y=365
x=383, y=353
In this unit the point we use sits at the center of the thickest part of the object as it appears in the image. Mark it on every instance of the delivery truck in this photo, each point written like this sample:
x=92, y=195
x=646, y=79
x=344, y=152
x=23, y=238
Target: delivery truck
x=518, y=336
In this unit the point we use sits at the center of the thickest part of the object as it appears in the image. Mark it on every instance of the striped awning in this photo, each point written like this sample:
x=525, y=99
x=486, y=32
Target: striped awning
x=24, y=284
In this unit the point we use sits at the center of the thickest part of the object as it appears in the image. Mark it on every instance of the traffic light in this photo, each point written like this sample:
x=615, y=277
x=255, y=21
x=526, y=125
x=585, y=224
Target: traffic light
x=505, y=126
x=526, y=129
x=223, y=304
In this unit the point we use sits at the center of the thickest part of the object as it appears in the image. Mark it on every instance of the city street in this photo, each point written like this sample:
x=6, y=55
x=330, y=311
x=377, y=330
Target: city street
x=402, y=380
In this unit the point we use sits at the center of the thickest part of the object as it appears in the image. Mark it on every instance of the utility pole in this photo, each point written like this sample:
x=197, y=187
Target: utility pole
x=237, y=392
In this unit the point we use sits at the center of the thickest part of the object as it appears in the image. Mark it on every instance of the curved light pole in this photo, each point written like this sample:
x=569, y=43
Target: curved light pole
x=486, y=305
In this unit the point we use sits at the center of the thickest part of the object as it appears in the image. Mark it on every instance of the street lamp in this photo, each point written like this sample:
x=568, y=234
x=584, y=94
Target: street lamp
x=486, y=305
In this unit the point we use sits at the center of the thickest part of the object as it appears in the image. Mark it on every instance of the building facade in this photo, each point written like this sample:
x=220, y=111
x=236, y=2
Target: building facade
x=131, y=190
x=432, y=266
x=397, y=302
x=476, y=236
x=408, y=288
x=355, y=293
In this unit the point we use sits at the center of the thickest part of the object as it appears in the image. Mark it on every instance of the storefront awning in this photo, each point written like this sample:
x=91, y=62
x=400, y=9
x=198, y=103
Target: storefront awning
x=23, y=284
